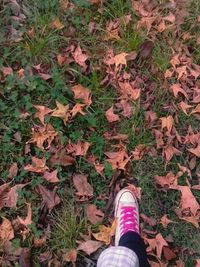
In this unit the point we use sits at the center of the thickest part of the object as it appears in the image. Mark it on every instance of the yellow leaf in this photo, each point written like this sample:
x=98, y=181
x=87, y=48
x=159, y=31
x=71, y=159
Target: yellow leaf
x=105, y=233
x=56, y=24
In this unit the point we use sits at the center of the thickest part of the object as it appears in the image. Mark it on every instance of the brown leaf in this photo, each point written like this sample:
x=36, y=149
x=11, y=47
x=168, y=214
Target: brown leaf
x=61, y=158
x=13, y=170
x=38, y=165
x=120, y=59
x=42, y=111
x=78, y=108
x=25, y=258
x=51, y=176
x=195, y=151
x=166, y=181
x=80, y=57
x=49, y=198
x=118, y=159
x=146, y=49
x=149, y=220
x=110, y=116
x=7, y=71
x=61, y=112
x=82, y=93
x=93, y=214
x=9, y=199
x=167, y=122
x=105, y=233
x=181, y=71
x=184, y=106
x=89, y=246
x=126, y=108
x=168, y=254
x=176, y=88
x=57, y=24
x=28, y=220
x=79, y=149
x=196, y=110
x=169, y=151
x=70, y=256
x=6, y=231
x=165, y=221
x=191, y=219
x=157, y=244
x=44, y=76
x=82, y=186
x=197, y=263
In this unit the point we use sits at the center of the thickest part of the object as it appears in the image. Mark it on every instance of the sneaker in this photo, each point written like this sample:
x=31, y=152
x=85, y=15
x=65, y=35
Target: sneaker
x=126, y=214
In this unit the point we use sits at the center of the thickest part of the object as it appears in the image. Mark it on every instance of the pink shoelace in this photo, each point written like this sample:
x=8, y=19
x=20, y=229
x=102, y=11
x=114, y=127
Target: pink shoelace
x=128, y=220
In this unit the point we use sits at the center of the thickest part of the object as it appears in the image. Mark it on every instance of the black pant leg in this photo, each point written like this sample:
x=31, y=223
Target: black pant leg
x=133, y=241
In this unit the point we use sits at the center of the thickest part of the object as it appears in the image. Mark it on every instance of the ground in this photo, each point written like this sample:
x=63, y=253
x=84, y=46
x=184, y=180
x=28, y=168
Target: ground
x=94, y=96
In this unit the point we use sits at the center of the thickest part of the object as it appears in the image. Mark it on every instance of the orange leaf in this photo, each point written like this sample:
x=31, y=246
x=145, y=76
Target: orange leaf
x=118, y=160
x=167, y=122
x=120, y=59
x=105, y=233
x=169, y=151
x=89, y=246
x=168, y=254
x=42, y=111
x=166, y=181
x=110, y=116
x=56, y=24
x=7, y=71
x=51, y=176
x=165, y=221
x=6, y=231
x=184, y=106
x=94, y=215
x=197, y=263
x=78, y=108
x=38, y=165
x=82, y=93
x=70, y=256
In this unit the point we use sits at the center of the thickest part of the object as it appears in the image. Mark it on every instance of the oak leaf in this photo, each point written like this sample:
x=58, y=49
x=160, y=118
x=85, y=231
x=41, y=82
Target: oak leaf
x=49, y=198
x=84, y=189
x=61, y=111
x=110, y=116
x=89, y=246
x=51, y=176
x=83, y=93
x=93, y=214
x=38, y=165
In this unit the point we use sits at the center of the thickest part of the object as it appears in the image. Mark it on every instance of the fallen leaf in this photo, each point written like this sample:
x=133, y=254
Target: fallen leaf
x=167, y=122
x=82, y=93
x=78, y=108
x=7, y=71
x=57, y=24
x=84, y=189
x=13, y=170
x=28, y=220
x=25, y=258
x=110, y=116
x=6, y=231
x=168, y=254
x=126, y=108
x=146, y=49
x=70, y=256
x=195, y=151
x=10, y=196
x=42, y=111
x=176, y=88
x=61, y=158
x=196, y=109
x=105, y=233
x=89, y=246
x=184, y=106
x=79, y=149
x=38, y=165
x=118, y=159
x=165, y=221
x=120, y=59
x=169, y=151
x=149, y=220
x=51, y=176
x=93, y=214
x=167, y=181
x=181, y=71
x=61, y=59
x=80, y=57
x=191, y=219
x=49, y=198
x=157, y=244
x=44, y=76
x=197, y=263
x=61, y=112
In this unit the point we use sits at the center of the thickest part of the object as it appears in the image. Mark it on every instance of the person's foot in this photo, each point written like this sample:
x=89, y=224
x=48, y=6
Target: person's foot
x=126, y=214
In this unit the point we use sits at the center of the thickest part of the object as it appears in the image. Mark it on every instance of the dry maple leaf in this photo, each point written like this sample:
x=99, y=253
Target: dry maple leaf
x=78, y=108
x=165, y=221
x=195, y=151
x=126, y=108
x=79, y=149
x=110, y=116
x=184, y=106
x=176, y=88
x=166, y=181
x=157, y=244
x=149, y=220
x=38, y=165
x=196, y=110
x=169, y=151
x=181, y=71
x=191, y=219
x=80, y=57
x=28, y=220
x=42, y=111
x=128, y=90
x=93, y=214
x=61, y=112
x=167, y=122
x=51, y=176
x=70, y=256
x=89, y=246
x=159, y=138
x=49, y=198
x=61, y=158
x=120, y=59
x=83, y=93
x=10, y=197
x=118, y=160
x=56, y=24
x=43, y=134
x=13, y=170
x=105, y=233
x=82, y=186
x=6, y=231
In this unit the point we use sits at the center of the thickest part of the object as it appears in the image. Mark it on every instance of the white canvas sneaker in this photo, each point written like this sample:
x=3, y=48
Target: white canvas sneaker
x=126, y=214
